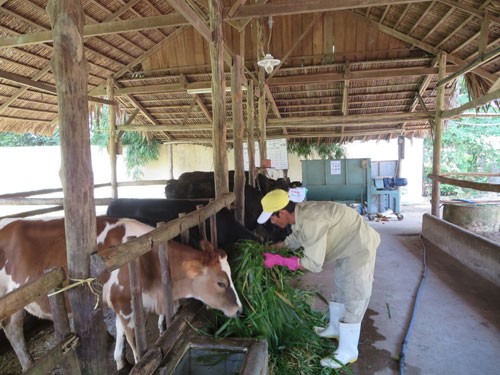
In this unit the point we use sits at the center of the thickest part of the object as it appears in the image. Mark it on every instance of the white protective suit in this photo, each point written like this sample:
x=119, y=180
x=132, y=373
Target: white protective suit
x=333, y=232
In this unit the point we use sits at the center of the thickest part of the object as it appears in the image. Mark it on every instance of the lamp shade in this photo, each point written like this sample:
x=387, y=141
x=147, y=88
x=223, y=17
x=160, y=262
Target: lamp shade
x=268, y=63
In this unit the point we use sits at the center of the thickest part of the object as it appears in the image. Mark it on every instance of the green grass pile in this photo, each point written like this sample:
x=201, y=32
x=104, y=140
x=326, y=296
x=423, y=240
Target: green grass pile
x=277, y=312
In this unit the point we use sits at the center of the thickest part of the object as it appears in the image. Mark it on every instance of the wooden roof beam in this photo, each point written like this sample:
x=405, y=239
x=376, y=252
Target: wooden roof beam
x=29, y=83
x=189, y=14
x=176, y=19
x=469, y=9
x=424, y=46
x=305, y=122
x=203, y=108
x=356, y=75
x=309, y=6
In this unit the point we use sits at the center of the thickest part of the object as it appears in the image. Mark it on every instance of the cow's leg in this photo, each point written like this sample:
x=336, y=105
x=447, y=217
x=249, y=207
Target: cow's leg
x=13, y=328
x=162, y=323
x=119, y=353
x=124, y=328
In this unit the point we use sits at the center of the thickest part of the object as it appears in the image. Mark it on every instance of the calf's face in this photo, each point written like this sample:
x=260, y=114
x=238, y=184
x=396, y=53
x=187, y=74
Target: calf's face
x=212, y=283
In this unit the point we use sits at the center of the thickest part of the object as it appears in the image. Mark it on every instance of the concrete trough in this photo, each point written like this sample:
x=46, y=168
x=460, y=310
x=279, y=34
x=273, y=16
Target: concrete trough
x=474, y=251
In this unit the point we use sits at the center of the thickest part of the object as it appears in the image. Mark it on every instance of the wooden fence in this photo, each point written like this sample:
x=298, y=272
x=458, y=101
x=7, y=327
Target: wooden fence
x=107, y=261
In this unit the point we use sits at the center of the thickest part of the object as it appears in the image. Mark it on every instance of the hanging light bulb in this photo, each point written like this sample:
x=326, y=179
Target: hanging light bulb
x=268, y=63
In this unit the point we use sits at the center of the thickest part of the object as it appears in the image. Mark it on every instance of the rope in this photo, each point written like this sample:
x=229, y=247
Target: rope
x=94, y=286
x=414, y=309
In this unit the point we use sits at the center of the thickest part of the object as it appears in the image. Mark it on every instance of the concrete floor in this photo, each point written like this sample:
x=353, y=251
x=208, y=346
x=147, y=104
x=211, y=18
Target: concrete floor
x=456, y=328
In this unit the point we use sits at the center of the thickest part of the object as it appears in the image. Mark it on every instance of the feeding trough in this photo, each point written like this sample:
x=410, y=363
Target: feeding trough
x=477, y=217
x=197, y=355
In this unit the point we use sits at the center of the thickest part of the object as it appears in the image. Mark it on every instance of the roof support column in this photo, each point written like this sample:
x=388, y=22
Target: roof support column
x=71, y=73
x=438, y=132
x=238, y=130
x=112, y=138
x=218, y=99
x=251, y=132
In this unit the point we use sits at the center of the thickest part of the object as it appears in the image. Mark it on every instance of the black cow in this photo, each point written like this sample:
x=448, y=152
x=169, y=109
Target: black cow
x=198, y=184
x=152, y=211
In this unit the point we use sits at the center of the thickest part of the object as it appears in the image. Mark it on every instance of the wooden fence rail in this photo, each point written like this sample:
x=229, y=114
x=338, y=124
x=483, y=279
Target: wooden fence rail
x=29, y=292
x=482, y=186
x=116, y=256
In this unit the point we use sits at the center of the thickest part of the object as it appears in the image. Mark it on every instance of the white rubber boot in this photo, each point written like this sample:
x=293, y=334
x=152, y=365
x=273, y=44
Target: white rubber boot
x=347, y=351
x=337, y=311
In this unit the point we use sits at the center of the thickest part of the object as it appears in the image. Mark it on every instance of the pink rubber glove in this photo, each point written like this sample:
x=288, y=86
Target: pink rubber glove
x=272, y=260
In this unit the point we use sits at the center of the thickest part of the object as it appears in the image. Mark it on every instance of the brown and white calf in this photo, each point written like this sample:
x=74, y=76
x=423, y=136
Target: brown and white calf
x=28, y=247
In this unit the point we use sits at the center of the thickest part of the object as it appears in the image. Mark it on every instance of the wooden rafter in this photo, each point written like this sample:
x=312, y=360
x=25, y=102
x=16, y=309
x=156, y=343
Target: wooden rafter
x=424, y=46
x=189, y=14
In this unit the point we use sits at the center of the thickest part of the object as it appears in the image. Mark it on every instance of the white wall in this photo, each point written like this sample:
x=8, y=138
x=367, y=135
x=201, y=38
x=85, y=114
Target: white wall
x=34, y=168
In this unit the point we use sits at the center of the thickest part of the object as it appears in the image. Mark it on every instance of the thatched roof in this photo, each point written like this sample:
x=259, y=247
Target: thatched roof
x=379, y=82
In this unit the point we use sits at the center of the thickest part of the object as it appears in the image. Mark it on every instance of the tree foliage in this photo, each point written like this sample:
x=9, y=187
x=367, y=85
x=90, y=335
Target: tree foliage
x=139, y=150
x=323, y=150
x=8, y=139
x=469, y=145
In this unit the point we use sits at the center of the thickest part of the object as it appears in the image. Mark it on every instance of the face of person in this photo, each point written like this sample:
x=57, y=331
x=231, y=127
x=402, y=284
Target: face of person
x=280, y=218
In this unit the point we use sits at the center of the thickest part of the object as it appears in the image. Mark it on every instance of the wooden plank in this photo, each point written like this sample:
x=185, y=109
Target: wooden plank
x=167, y=340
x=27, y=293
x=62, y=352
x=481, y=186
x=307, y=6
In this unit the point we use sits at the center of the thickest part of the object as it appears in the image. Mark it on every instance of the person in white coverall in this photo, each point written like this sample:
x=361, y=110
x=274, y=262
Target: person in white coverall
x=329, y=232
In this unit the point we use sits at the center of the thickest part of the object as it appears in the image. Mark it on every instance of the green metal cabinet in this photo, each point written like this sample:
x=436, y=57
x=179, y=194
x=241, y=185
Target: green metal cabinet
x=342, y=180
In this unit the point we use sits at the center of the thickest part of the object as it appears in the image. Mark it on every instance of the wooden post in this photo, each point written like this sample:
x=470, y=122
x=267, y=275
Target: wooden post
x=213, y=231
x=184, y=232
x=238, y=128
x=112, y=138
x=438, y=132
x=171, y=161
x=202, y=227
x=218, y=98
x=251, y=134
x=262, y=110
x=71, y=74
x=262, y=117
x=63, y=330
x=166, y=282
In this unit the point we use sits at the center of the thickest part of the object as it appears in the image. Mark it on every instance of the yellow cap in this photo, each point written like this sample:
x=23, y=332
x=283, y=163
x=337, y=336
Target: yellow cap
x=273, y=201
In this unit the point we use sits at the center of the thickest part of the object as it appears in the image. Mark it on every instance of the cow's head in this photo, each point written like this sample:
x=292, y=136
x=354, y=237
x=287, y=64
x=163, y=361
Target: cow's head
x=211, y=281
